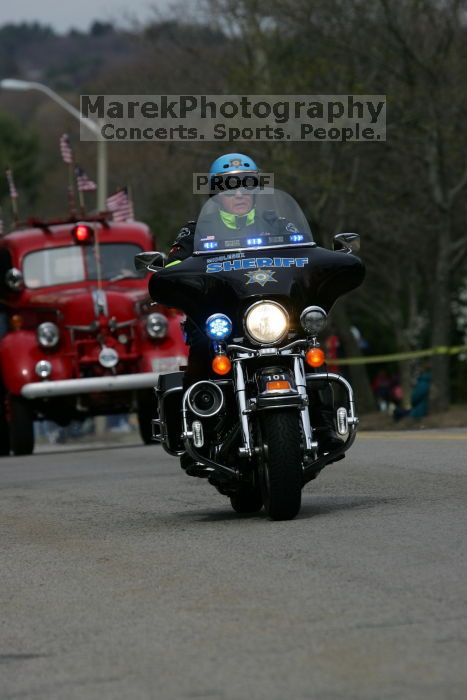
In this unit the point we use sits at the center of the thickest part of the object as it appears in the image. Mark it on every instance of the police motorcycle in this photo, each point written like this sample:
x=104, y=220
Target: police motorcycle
x=261, y=292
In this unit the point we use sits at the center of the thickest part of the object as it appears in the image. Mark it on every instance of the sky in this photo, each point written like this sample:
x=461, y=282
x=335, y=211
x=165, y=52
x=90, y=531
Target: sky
x=64, y=14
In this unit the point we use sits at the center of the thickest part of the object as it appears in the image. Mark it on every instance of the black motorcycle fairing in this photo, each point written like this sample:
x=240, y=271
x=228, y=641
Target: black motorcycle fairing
x=201, y=286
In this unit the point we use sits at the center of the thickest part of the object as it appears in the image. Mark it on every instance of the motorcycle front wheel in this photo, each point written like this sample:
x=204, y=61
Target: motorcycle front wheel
x=281, y=463
x=248, y=500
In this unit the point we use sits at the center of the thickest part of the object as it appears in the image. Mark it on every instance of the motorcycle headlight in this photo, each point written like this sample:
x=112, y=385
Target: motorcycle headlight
x=266, y=322
x=48, y=334
x=313, y=319
x=156, y=326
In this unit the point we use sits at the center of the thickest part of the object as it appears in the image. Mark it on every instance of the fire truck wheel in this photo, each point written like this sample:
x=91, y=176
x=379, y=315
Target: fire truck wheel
x=4, y=433
x=146, y=412
x=21, y=425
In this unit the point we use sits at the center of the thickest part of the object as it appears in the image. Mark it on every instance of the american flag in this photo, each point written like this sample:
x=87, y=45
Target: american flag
x=65, y=149
x=11, y=184
x=121, y=205
x=85, y=184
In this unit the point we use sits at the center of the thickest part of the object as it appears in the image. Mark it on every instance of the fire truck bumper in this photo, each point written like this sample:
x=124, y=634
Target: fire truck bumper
x=89, y=385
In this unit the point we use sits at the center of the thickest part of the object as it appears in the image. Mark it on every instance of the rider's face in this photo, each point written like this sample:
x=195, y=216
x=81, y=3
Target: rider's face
x=237, y=202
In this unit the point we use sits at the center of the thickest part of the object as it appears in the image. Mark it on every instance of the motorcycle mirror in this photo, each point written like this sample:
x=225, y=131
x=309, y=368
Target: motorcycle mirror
x=149, y=261
x=347, y=242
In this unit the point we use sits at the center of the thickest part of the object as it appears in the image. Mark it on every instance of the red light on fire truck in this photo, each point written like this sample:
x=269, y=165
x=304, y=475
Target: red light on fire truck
x=83, y=234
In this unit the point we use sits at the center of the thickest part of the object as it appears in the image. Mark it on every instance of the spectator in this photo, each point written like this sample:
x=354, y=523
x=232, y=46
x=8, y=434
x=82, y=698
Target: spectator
x=420, y=394
x=381, y=386
x=419, y=398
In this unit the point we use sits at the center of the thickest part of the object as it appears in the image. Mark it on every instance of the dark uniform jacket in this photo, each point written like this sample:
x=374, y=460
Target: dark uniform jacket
x=182, y=247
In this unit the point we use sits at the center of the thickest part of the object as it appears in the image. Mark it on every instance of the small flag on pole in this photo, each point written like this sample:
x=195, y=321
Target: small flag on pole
x=65, y=149
x=67, y=156
x=11, y=184
x=13, y=193
x=85, y=184
x=121, y=205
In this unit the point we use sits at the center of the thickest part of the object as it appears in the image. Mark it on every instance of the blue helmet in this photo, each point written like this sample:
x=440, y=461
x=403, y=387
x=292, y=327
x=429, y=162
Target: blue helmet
x=232, y=163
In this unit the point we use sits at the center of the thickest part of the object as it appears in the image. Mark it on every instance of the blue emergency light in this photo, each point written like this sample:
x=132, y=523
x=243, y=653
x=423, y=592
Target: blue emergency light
x=218, y=327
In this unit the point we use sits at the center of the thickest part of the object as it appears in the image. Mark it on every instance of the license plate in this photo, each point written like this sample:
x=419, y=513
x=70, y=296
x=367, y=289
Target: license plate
x=168, y=364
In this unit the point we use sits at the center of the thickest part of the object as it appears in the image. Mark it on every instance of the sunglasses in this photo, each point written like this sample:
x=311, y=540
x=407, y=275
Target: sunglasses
x=241, y=191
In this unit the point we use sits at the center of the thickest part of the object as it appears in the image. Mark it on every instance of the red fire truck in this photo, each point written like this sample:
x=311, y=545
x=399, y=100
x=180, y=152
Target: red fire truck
x=79, y=336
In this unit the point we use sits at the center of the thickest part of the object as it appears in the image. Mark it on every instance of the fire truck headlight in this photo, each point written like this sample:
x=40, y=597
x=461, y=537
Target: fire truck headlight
x=48, y=335
x=43, y=369
x=156, y=326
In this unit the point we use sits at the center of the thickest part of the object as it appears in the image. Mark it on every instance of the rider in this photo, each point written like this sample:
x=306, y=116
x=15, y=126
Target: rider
x=237, y=213
x=237, y=206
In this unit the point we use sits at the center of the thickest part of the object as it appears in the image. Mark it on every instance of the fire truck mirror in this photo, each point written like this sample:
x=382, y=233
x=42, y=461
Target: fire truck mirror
x=14, y=279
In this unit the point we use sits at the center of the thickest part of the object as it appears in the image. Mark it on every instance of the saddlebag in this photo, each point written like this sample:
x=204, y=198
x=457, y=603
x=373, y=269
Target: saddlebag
x=169, y=392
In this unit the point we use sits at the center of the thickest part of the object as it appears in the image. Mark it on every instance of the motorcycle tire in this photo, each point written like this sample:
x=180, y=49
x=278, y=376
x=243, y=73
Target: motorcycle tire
x=248, y=500
x=281, y=463
x=21, y=426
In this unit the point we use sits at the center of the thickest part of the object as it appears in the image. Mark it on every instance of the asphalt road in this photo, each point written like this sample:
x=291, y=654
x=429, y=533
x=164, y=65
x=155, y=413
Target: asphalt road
x=121, y=579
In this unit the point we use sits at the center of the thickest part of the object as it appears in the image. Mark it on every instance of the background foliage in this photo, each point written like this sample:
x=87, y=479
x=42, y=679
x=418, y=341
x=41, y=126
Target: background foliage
x=406, y=197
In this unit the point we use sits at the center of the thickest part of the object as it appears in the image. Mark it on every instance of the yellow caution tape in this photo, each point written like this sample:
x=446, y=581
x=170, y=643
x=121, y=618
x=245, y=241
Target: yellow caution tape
x=399, y=356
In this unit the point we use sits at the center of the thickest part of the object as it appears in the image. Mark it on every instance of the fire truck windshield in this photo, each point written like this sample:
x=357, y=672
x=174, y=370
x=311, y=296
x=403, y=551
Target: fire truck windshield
x=64, y=265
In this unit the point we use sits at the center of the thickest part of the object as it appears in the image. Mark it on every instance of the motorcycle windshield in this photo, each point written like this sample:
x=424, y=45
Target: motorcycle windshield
x=250, y=220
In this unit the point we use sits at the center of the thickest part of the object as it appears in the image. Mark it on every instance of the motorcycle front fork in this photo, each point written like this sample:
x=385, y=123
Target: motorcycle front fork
x=301, y=377
x=245, y=411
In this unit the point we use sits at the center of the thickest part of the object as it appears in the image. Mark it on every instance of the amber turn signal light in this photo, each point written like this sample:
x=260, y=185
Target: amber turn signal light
x=277, y=385
x=221, y=364
x=16, y=322
x=315, y=357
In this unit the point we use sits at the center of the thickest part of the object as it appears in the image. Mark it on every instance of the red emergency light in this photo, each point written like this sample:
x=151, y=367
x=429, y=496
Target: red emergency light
x=83, y=234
